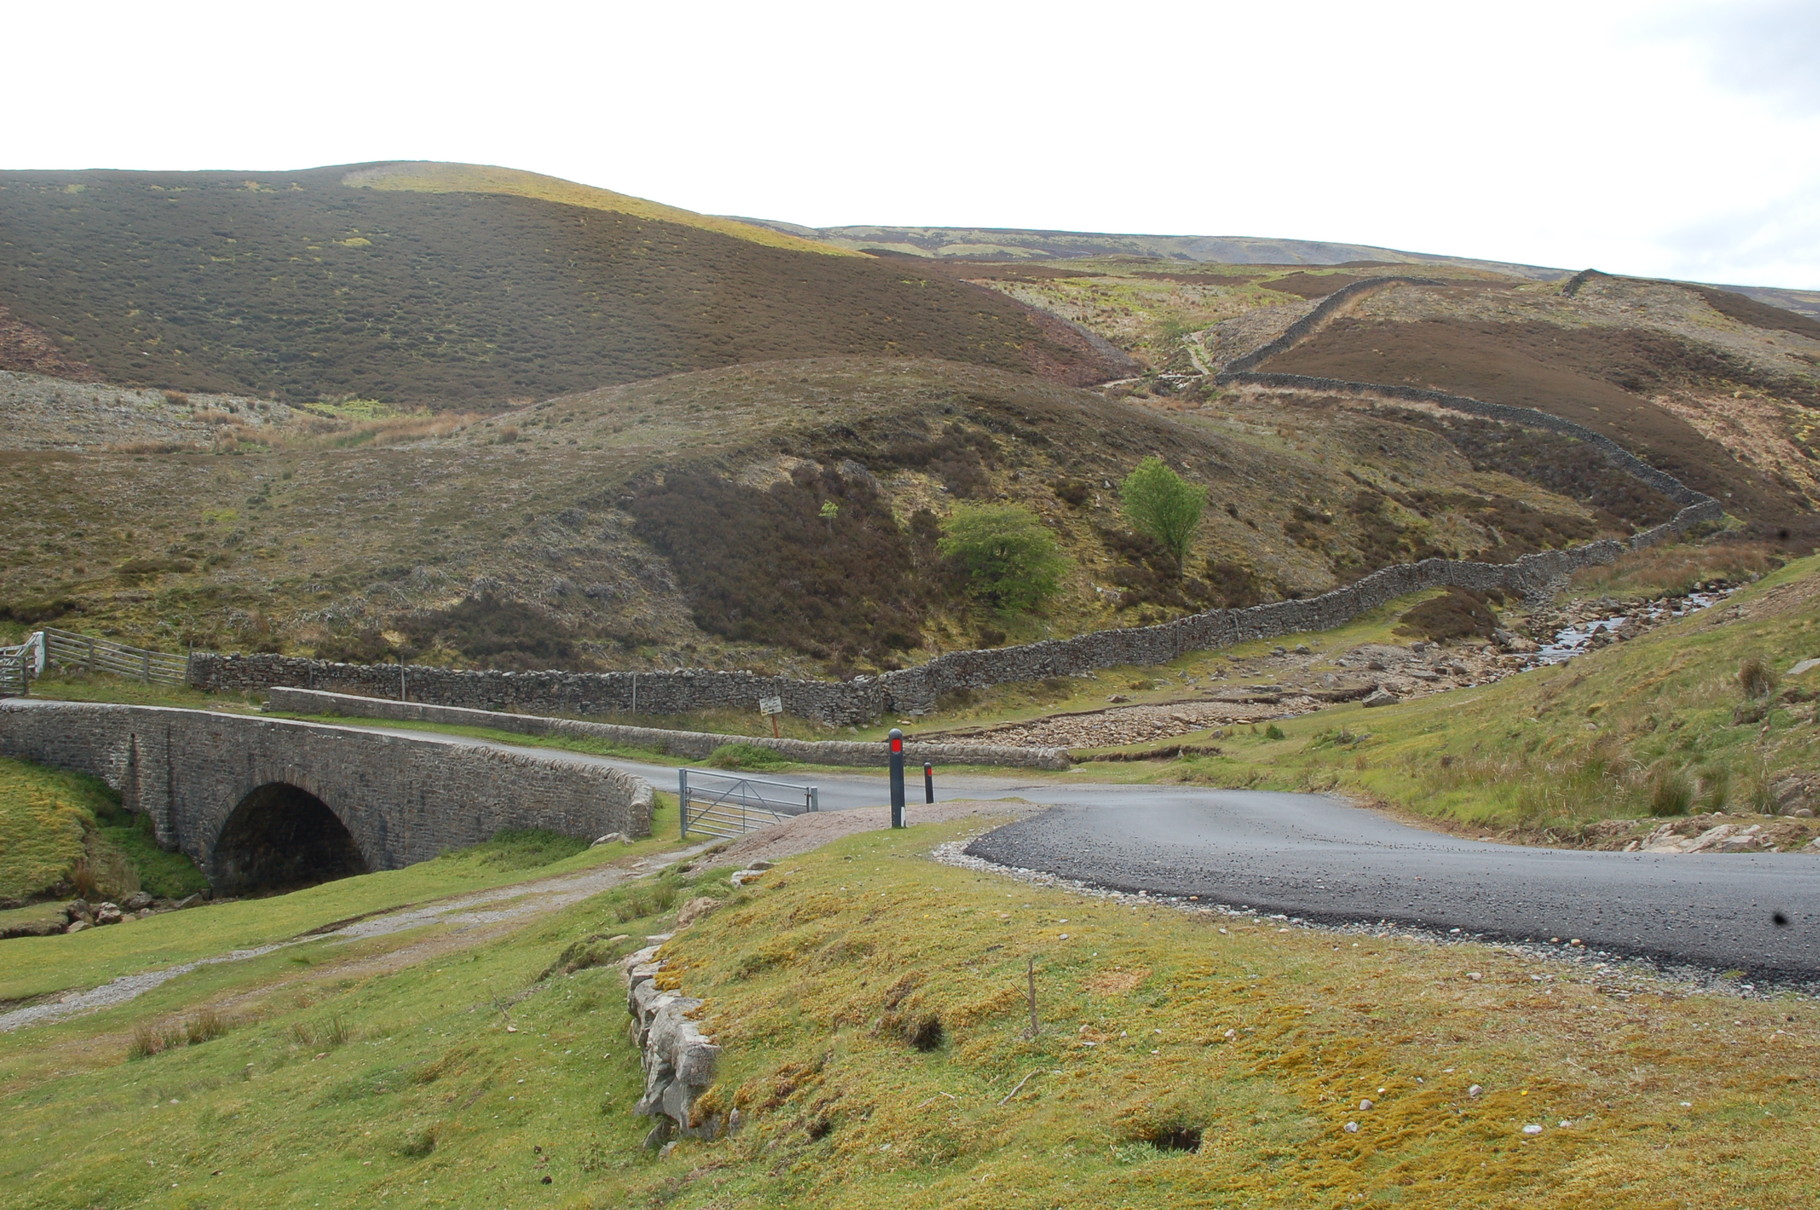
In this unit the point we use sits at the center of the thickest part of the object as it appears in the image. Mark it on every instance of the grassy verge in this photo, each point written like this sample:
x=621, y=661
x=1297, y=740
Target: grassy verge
x=873, y=1009
x=38, y=966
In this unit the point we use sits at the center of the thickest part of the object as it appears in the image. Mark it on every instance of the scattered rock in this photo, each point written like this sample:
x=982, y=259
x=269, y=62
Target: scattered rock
x=137, y=901
x=79, y=926
x=1381, y=697
x=742, y=877
x=694, y=910
x=107, y=913
x=1474, y=1091
x=188, y=901
x=1364, y=1105
x=1532, y=1128
x=49, y=927
x=1352, y=1128
x=611, y=838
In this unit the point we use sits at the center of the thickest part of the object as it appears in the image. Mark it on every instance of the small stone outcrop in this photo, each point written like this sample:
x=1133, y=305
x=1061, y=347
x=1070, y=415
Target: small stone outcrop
x=678, y=1059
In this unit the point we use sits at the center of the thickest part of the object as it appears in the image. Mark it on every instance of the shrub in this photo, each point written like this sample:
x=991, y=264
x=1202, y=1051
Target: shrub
x=761, y=565
x=1009, y=559
x=1159, y=502
x=1455, y=614
x=1757, y=679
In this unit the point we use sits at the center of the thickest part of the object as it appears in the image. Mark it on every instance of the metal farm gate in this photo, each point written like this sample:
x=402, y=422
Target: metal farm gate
x=724, y=804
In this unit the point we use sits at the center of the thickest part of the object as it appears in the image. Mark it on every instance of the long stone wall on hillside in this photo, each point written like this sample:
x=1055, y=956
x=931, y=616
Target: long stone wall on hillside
x=916, y=690
x=402, y=799
x=1316, y=319
x=694, y=745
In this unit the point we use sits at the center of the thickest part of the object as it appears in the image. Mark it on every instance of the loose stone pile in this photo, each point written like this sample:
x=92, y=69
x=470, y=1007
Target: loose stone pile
x=82, y=915
x=678, y=1058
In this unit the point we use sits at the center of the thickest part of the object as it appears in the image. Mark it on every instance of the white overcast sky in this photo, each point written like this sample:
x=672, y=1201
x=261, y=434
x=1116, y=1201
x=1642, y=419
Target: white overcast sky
x=1676, y=138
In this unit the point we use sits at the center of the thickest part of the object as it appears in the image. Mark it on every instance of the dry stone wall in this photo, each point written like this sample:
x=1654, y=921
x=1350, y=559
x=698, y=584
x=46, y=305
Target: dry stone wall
x=678, y=1059
x=691, y=745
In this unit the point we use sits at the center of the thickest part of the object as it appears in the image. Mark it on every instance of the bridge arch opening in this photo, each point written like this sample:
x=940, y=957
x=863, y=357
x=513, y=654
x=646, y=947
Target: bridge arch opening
x=282, y=838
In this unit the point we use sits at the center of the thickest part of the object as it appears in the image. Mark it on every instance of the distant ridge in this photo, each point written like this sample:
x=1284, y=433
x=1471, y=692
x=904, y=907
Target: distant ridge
x=1012, y=243
x=1009, y=243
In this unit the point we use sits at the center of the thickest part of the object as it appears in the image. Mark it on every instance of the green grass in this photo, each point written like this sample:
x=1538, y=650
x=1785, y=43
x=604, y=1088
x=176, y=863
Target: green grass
x=353, y=1075
x=32, y=967
x=1610, y=734
x=47, y=825
x=159, y=872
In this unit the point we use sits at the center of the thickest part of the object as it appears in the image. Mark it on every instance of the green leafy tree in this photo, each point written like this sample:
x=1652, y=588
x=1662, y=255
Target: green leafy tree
x=1161, y=503
x=1010, y=560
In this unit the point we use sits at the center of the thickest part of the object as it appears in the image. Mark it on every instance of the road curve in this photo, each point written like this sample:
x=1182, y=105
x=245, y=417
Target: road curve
x=1319, y=859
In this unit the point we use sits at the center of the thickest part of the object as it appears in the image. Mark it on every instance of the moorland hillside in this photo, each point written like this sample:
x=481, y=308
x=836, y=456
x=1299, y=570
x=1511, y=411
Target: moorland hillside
x=1717, y=390
x=683, y=519
x=748, y=443
x=1019, y=245
x=444, y=290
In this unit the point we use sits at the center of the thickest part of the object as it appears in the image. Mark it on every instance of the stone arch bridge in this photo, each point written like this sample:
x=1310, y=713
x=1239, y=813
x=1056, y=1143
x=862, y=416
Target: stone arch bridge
x=270, y=803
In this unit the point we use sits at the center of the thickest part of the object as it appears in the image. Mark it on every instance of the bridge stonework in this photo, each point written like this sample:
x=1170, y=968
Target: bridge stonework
x=402, y=800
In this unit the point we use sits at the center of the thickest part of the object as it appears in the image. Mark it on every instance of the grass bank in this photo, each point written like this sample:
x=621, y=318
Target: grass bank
x=873, y=1006
x=1698, y=714
x=32, y=967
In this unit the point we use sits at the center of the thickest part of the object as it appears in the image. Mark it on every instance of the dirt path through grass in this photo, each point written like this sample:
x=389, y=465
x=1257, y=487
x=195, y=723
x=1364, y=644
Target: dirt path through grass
x=466, y=912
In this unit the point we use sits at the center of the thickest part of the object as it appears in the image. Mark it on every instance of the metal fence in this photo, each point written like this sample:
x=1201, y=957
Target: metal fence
x=70, y=650
x=724, y=804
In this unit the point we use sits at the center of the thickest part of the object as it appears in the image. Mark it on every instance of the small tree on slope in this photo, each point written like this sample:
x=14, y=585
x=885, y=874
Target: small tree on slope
x=1159, y=502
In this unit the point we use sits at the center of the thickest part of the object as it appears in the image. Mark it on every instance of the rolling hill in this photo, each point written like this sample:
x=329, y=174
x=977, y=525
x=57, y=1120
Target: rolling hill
x=445, y=286
x=1018, y=244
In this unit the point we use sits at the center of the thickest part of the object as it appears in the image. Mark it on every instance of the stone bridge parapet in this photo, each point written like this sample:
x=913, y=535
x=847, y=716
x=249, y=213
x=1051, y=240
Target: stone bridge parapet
x=400, y=799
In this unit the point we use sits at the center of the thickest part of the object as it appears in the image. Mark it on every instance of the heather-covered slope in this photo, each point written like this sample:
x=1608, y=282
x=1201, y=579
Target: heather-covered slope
x=299, y=286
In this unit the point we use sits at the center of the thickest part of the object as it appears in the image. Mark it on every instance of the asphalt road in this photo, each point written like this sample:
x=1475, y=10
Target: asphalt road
x=1322, y=860
x=1312, y=857
x=1317, y=858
